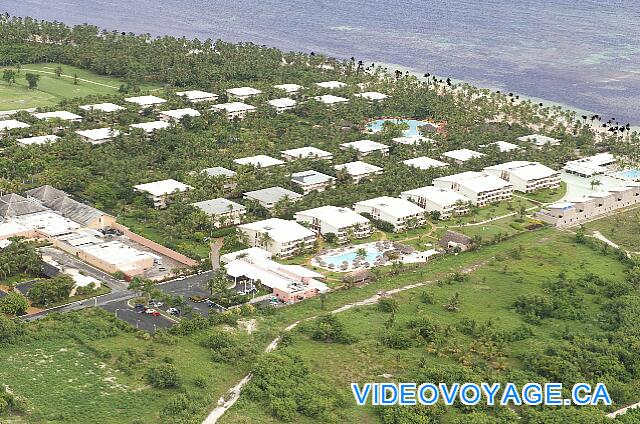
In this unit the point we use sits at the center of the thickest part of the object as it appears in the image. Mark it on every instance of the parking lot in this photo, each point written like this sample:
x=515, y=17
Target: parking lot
x=139, y=320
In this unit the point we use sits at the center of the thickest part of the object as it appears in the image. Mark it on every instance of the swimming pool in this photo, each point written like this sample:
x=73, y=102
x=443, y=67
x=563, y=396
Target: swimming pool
x=631, y=174
x=337, y=260
x=376, y=126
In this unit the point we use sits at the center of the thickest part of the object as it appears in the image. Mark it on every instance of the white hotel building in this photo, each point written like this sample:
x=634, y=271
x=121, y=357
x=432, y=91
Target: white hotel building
x=398, y=212
x=480, y=188
x=526, y=177
x=443, y=200
x=342, y=222
x=278, y=236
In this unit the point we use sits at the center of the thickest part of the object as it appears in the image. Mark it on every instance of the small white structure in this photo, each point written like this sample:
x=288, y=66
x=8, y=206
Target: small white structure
x=344, y=223
x=43, y=139
x=312, y=180
x=329, y=99
x=525, y=176
x=11, y=124
x=307, y=152
x=289, y=88
x=234, y=109
x=503, y=146
x=282, y=104
x=242, y=93
x=197, y=96
x=98, y=135
x=269, y=197
x=224, y=212
x=590, y=166
x=372, y=96
x=160, y=191
x=539, y=140
x=359, y=170
x=280, y=237
x=400, y=213
x=479, y=187
x=145, y=101
x=226, y=174
x=178, y=114
x=150, y=127
x=259, y=161
x=366, y=147
x=103, y=107
x=413, y=140
x=462, y=155
x=424, y=163
x=62, y=115
x=331, y=85
x=443, y=200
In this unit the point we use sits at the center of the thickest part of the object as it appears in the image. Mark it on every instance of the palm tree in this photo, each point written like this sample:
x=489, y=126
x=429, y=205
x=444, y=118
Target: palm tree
x=265, y=240
x=595, y=183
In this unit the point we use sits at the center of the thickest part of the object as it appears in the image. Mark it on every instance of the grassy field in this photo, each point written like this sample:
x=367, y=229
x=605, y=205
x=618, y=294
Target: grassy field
x=496, y=278
x=51, y=90
x=622, y=228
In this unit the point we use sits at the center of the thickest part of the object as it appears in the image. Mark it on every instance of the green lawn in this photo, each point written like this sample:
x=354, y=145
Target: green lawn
x=548, y=195
x=622, y=228
x=51, y=90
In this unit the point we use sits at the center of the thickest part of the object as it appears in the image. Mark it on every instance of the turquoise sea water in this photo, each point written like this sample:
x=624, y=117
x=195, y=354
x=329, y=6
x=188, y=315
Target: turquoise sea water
x=581, y=53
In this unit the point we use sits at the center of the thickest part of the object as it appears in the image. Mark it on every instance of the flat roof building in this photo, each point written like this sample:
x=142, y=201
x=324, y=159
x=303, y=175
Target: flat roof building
x=329, y=99
x=443, y=200
x=312, y=180
x=102, y=107
x=261, y=161
x=7, y=125
x=591, y=165
x=331, y=85
x=98, y=135
x=282, y=104
x=62, y=115
x=366, y=147
x=152, y=126
x=525, y=176
x=359, y=170
x=160, y=191
x=145, y=101
x=178, y=114
x=424, y=163
x=234, y=109
x=344, y=223
x=220, y=172
x=43, y=139
x=224, y=212
x=480, y=188
x=197, y=96
x=503, y=146
x=413, y=140
x=372, y=95
x=280, y=237
x=539, y=140
x=400, y=213
x=307, y=152
x=462, y=155
x=269, y=197
x=242, y=93
x=289, y=88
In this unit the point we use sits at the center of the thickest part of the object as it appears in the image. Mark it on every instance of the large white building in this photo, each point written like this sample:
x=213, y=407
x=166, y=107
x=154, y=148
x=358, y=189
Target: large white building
x=359, y=170
x=289, y=88
x=7, y=125
x=539, y=140
x=424, y=163
x=259, y=161
x=479, y=187
x=443, y=200
x=178, y=114
x=62, y=115
x=234, y=109
x=344, y=223
x=282, y=104
x=331, y=85
x=150, y=127
x=280, y=237
x=330, y=99
x=312, y=180
x=591, y=165
x=160, y=191
x=366, y=147
x=102, y=107
x=223, y=212
x=269, y=197
x=242, y=93
x=43, y=139
x=197, y=96
x=145, y=101
x=400, y=213
x=461, y=156
x=502, y=146
x=525, y=176
x=308, y=152
x=372, y=96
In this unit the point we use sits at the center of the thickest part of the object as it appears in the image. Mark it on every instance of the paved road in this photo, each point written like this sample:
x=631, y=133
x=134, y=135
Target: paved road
x=193, y=285
x=142, y=321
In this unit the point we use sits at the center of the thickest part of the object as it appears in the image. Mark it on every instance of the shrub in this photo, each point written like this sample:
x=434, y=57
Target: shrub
x=163, y=376
x=397, y=339
x=330, y=330
x=14, y=304
x=388, y=305
x=226, y=347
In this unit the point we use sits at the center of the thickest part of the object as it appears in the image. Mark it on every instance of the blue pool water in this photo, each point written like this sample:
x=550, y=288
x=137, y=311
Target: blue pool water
x=376, y=126
x=371, y=257
x=633, y=174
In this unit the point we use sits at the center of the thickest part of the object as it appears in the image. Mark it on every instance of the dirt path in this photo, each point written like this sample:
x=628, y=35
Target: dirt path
x=623, y=410
x=69, y=76
x=232, y=396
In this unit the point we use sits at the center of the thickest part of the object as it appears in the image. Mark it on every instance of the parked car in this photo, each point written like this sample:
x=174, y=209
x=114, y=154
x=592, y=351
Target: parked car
x=139, y=307
x=198, y=299
x=173, y=311
x=156, y=304
x=152, y=312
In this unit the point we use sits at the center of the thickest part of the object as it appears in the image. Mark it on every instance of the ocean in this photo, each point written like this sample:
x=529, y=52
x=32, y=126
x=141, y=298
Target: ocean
x=584, y=54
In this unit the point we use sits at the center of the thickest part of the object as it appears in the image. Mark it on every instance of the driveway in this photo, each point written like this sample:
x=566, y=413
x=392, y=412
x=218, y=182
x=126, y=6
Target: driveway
x=142, y=321
x=195, y=285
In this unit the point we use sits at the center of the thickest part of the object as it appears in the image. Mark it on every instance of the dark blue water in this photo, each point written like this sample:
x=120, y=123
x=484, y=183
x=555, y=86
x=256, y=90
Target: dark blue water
x=581, y=53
